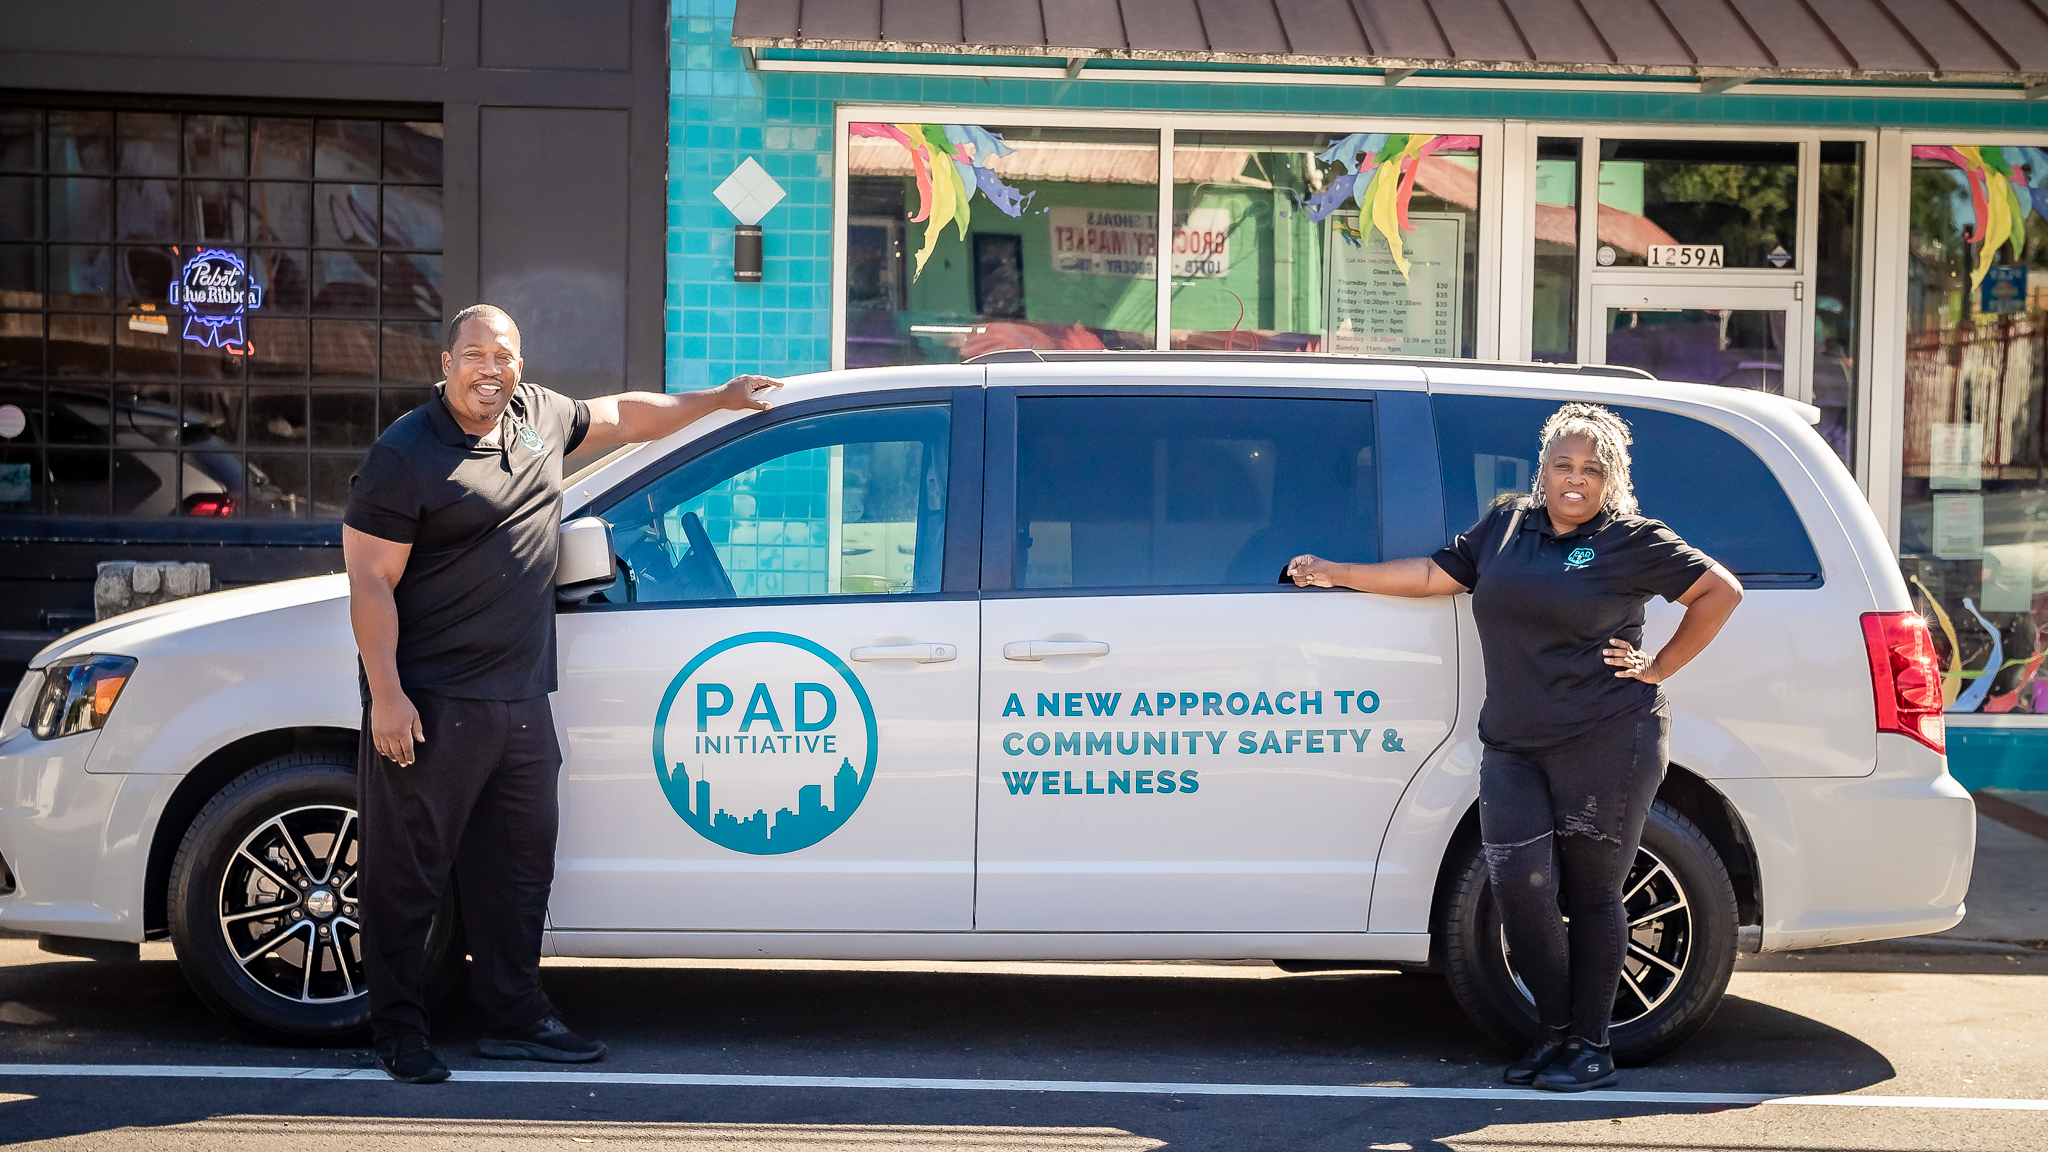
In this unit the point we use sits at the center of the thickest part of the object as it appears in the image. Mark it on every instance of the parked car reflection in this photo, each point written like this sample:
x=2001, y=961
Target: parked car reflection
x=165, y=459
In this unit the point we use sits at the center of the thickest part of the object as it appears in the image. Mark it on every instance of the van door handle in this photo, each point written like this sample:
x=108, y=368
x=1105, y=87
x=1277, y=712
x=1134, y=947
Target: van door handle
x=919, y=653
x=1042, y=649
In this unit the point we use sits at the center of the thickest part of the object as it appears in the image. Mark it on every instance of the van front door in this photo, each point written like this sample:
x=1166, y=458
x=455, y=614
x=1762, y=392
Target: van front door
x=1170, y=740
x=768, y=720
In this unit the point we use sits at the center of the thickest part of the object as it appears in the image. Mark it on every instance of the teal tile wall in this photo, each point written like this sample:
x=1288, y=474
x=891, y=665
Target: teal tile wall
x=720, y=113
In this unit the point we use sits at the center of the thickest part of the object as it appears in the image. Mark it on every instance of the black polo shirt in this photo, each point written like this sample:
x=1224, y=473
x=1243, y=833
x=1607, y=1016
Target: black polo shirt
x=476, y=605
x=1546, y=605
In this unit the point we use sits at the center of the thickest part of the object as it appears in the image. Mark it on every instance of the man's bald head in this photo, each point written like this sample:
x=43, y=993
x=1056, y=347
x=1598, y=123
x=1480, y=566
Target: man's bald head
x=492, y=317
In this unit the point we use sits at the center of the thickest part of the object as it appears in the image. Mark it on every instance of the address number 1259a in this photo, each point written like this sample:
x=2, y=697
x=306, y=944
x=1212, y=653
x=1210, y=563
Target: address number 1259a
x=1685, y=256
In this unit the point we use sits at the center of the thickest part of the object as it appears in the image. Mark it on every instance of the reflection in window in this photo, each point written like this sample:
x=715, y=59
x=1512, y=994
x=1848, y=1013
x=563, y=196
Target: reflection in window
x=1733, y=347
x=1973, y=524
x=966, y=239
x=1838, y=293
x=850, y=504
x=1738, y=199
x=1554, y=301
x=1122, y=492
x=100, y=210
x=1331, y=242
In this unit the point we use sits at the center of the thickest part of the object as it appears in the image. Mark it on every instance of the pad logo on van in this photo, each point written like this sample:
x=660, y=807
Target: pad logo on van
x=760, y=723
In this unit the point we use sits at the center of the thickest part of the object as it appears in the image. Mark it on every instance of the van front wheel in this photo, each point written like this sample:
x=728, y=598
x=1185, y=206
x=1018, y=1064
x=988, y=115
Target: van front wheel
x=1681, y=945
x=265, y=905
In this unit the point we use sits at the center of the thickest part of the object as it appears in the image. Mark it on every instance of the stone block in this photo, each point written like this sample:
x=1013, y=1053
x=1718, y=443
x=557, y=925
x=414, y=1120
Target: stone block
x=125, y=585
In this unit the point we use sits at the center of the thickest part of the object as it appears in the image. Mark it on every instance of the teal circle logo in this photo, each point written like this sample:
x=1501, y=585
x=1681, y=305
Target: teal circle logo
x=532, y=440
x=1580, y=557
x=761, y=723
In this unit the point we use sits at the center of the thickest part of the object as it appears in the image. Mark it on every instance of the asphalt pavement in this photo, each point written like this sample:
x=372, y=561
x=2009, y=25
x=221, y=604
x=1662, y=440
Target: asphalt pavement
x=1922, y=1045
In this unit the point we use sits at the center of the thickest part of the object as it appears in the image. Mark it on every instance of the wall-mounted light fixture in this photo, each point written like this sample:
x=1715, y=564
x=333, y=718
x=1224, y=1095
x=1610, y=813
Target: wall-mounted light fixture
x=748, y=194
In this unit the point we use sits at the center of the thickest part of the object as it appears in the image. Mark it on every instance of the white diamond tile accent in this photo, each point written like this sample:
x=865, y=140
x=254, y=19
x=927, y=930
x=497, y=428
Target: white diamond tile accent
x=749, y=192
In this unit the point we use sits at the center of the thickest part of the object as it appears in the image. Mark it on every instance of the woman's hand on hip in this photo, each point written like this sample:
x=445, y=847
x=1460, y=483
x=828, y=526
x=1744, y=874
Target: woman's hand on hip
x=1635, y=664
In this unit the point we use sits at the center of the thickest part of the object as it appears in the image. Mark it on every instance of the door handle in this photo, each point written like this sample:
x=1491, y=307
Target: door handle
x=1042, y=649
x=920, y=653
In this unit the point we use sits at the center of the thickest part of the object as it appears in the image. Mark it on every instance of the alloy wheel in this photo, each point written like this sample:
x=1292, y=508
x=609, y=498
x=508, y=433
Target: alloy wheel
x=289, y=905
x=1660, y=939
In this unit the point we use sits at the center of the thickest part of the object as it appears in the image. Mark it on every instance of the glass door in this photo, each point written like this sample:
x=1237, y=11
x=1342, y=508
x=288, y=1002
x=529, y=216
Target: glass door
x=1738, y=337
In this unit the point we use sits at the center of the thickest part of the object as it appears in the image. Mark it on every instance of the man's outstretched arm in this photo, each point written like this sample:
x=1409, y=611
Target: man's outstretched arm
x=631, y=417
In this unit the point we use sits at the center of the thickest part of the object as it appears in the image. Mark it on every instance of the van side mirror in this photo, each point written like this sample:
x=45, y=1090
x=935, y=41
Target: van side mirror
x=587, y=564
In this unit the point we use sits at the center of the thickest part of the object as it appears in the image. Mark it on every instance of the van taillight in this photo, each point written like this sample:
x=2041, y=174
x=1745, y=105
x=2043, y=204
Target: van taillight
x=1905, y=677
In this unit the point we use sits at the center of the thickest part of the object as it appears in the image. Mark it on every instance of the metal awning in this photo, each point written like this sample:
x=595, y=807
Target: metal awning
x=1971, y=41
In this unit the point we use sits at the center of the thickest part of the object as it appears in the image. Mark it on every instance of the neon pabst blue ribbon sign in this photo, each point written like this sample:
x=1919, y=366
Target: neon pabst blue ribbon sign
x=215, y=291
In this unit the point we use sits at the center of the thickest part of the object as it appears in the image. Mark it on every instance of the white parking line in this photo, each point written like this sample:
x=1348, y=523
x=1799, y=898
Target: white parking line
x=1342, y=1091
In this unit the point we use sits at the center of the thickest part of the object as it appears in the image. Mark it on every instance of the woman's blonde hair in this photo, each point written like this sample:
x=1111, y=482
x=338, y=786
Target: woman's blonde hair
x=1610, y=436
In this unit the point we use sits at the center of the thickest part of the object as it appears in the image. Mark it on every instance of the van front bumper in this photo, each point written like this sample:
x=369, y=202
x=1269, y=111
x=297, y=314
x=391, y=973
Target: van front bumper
x=73, y=839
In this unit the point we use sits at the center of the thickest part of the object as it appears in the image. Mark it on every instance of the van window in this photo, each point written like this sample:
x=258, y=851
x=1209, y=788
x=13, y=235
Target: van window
x=1158, y=491
x=850, y=503
x=1703, y=482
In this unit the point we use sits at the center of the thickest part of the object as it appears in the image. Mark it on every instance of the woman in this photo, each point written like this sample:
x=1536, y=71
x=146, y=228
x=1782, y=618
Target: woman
x=1575, y=730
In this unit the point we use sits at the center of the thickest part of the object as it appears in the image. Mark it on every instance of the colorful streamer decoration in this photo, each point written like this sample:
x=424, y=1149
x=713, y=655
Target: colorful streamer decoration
x=951, y=162
x=1379, y=176
x=2004, y=183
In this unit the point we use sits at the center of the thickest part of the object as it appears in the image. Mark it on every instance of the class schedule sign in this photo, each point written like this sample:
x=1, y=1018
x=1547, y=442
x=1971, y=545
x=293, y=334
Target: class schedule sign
x=1371, y=307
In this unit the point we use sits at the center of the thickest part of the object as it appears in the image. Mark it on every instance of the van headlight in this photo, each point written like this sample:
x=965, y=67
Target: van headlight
x=76, y=695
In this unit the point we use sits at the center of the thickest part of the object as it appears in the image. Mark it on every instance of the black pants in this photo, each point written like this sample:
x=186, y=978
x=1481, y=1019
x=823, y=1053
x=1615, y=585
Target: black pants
x=478, y=800
x=1569, y=818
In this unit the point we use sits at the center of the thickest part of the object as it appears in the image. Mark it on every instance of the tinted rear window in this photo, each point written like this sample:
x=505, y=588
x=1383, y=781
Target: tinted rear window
x=1703, y=482
x=1164, y=491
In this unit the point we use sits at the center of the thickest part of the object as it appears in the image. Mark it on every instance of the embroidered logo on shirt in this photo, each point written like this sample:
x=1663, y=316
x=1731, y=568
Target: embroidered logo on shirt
x=1579, y=558
x=534, y=443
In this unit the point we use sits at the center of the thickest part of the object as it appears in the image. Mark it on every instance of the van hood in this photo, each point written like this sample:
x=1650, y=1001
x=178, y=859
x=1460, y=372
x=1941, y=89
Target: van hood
x=119, y=634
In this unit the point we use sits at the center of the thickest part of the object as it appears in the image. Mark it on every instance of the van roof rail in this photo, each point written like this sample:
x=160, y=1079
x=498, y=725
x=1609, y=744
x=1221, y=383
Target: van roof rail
x=1201, y=355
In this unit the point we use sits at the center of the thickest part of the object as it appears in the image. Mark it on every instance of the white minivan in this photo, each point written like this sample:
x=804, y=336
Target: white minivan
x=994, y=661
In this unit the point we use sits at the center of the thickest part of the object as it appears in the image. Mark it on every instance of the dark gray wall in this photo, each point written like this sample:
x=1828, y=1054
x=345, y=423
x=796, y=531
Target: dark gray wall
x=555, y=118
x=555, y=197
x=556, y=122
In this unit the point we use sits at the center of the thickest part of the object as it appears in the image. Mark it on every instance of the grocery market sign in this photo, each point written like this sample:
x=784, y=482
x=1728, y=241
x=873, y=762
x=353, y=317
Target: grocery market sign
x=1108, y=242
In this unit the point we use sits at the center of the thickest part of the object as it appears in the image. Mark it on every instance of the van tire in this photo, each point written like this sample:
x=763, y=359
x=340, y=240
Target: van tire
x=311, y=797
x=1486, y=988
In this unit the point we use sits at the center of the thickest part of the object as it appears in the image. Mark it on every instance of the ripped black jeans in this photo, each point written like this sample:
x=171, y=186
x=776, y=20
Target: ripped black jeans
x=1570, y=817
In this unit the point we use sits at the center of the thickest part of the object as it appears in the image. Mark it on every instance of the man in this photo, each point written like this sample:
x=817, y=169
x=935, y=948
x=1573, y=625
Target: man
x=450, y=539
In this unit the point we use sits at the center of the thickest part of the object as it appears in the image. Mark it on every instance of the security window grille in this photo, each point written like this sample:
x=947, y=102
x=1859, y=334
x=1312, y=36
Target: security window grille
x=113, y=401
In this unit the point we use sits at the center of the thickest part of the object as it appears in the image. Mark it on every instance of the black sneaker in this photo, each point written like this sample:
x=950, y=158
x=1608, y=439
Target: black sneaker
x=1539, y=1056
x=545, y=1039
x=1579, y=1068
x=410, y=1060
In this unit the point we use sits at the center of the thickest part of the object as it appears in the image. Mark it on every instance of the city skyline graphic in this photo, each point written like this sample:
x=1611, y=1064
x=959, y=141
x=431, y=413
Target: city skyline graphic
x=759, y=834
x=780, y=667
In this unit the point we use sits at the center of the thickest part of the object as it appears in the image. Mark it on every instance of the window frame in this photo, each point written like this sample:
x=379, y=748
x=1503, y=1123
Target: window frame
x=1486, y=304
x=959, y=565
x=1403, y=444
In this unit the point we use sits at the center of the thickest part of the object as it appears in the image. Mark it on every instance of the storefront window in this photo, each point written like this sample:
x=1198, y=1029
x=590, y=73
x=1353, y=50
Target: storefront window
x=209, y=315
x=1554, y=299
x=1838, y=294
x=1326, y=242
x=1973, y=531
x=971, y=238
x=1701, y=204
